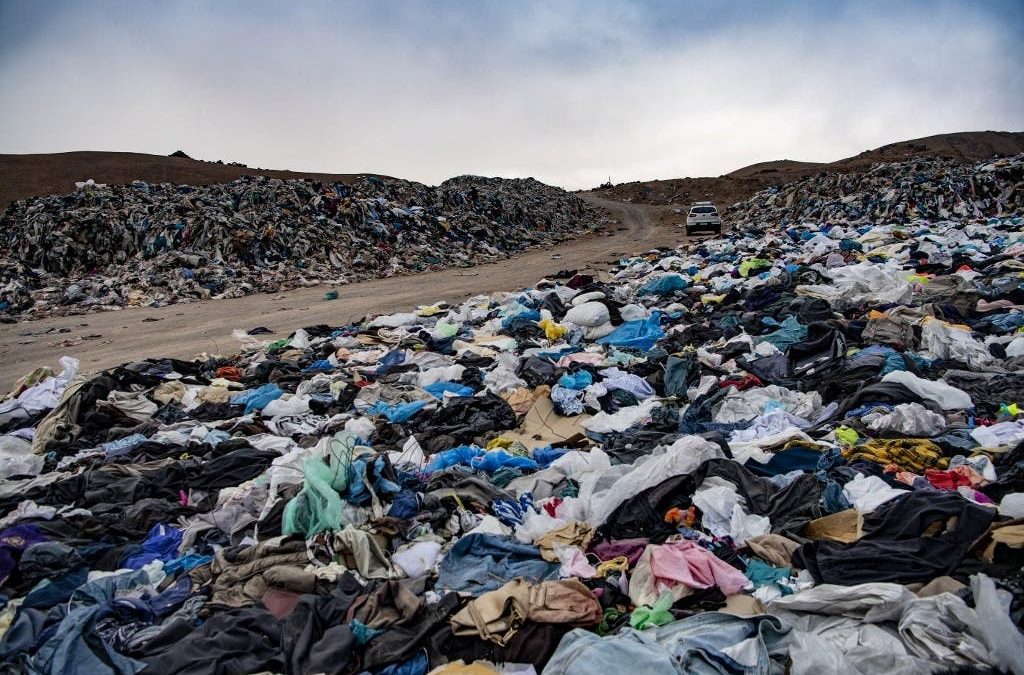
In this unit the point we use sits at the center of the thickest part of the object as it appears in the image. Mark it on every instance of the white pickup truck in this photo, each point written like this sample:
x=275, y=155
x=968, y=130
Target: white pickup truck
x=703, y=216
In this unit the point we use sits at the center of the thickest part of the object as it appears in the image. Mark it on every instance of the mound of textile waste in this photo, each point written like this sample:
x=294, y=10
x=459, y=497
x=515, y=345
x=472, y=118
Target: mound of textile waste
x=896, y=192
x=795, y=449
x=110, y=246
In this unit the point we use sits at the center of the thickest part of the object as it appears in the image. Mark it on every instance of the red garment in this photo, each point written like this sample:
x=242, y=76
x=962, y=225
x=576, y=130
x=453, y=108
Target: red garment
x=552, y=506
x=741, y=383
x=229, y=373
x=953, y=478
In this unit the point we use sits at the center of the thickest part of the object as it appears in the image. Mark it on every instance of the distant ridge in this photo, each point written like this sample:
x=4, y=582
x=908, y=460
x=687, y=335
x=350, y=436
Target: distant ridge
x=963, y=147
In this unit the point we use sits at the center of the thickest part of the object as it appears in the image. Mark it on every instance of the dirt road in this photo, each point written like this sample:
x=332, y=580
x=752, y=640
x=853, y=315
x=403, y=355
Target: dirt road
x=185, y=331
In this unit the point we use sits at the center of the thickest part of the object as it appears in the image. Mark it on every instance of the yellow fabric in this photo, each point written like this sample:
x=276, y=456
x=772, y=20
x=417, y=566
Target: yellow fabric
x=430, y=310
x=620, y=564
x=916, y=454
x=709, y=299
x=552, y=330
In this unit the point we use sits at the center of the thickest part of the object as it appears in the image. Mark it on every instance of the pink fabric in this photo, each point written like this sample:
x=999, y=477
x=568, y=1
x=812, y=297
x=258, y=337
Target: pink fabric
x=575, y=564
x=685, y=562
x=581, y=357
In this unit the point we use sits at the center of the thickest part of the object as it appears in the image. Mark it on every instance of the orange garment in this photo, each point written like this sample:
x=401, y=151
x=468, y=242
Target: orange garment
x=229, y=373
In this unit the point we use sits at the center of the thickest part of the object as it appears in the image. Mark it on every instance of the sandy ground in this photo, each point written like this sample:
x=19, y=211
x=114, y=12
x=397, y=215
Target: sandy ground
x=184, y=331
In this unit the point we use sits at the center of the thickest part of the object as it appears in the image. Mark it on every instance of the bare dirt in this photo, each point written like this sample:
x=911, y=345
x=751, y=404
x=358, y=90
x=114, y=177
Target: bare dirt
x=108, y=339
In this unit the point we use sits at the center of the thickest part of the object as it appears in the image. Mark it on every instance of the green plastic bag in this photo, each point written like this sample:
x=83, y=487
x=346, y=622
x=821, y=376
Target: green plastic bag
x=443, y=329
x=748, y=266
x=648, y=617
x=847, y=436
x=318, y=507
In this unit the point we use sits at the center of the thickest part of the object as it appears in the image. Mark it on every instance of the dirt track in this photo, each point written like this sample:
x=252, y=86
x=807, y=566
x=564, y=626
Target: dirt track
x=185, y=331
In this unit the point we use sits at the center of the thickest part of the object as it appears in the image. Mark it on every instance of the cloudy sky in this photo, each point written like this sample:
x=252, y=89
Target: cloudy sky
x=570, y=92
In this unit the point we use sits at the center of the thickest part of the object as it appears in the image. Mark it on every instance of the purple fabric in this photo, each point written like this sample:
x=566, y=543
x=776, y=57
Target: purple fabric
x=631, y=548
x=13, y=541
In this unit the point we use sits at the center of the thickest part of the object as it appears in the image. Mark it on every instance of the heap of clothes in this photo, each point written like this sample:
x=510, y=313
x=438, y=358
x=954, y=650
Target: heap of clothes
x=790, y=449
x=926, y=188
x=107, y=246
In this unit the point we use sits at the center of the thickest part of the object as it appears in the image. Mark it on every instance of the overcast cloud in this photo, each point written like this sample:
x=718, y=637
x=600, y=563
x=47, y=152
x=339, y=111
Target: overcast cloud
x=571, y=93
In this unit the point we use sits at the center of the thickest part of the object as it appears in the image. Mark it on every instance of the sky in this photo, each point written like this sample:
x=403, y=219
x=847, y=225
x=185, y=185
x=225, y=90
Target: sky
x=572, y=92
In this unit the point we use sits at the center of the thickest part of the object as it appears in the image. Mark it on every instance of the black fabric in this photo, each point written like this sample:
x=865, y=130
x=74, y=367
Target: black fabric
x=554, y=304
x=627, y=446
x=234, y=468
x=536, y=371
x=401, y=642
x=468, y=417
x=988, y=391
x=532, y=643
x=881, y=392
x=208, y=412
x=315, y=636
x=789, y=508
x=776, y=369
x=898, y=543
x=617, y=399
x=699, y=601
x=822, y=352
x=19, y=639
x=245, y=640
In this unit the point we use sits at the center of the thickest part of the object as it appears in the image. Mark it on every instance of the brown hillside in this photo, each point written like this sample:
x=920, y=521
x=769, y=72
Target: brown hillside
x=969, y=146
x=24, y=176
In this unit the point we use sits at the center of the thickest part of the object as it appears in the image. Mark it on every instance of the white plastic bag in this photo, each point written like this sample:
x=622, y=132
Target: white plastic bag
x=589, y=314
x=1005, y=642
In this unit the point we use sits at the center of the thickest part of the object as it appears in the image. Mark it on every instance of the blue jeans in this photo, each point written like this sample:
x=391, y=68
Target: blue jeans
x=691, y=646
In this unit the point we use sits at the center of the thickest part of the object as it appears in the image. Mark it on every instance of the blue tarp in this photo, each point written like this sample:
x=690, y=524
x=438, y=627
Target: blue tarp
x=640, y=334
x=438, y=389
x=581, y=379
x=397, y=414
x=666, y=284
x=257, y=399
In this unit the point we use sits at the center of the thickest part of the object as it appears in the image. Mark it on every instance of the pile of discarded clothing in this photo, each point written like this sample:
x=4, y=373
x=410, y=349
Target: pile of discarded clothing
x=150, y=245
x=924, y=188
x=798, y=449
